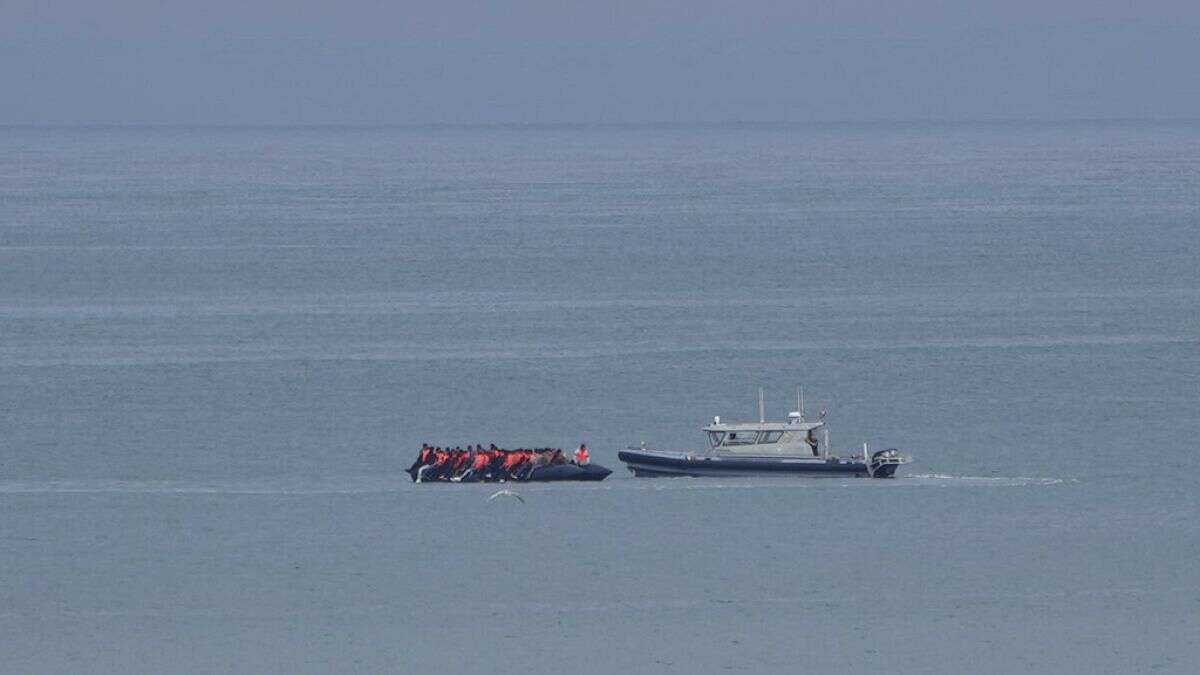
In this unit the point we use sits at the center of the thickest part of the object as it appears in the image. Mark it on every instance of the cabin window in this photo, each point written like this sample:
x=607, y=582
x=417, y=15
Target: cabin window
x=715, y=437
x=741, y=438
x=770, y=436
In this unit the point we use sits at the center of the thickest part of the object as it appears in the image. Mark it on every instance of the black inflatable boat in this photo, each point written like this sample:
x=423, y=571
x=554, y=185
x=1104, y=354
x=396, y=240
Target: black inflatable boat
x=541, y=474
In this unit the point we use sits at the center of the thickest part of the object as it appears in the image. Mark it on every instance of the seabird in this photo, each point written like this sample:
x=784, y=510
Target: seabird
x=506, y=493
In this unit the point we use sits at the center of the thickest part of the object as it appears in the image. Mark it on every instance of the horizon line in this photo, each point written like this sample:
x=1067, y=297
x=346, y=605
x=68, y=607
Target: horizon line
x=567, y=124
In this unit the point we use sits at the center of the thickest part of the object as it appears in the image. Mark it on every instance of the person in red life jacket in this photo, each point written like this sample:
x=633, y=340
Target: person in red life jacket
x=478, y=466
x=496, y=467
x=512, y=460
x=581, y=454
x=459, y=461
x=422, y=458
x=442, y=462
x=436, y=466
x=518, y=462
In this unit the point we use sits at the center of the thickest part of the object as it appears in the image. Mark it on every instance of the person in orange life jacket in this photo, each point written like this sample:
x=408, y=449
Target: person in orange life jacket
x=446, y=464
x=436, y=466
x=520, y=464
x=422, y=458
x=581, y=454
x=473, y=468
x=480, y=465
x=512, y=460
x=479, y=450
x=496, y=467
x=460, y=460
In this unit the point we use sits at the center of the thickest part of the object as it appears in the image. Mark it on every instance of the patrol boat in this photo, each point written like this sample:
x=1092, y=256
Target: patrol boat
x=796, y=446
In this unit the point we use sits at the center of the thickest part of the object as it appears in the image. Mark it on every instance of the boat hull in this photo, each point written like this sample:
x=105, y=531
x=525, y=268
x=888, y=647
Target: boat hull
x=558, y=472
x=650, y=463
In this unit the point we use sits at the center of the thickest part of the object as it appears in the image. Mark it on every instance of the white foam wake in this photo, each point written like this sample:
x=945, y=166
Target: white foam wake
x=1001, y=481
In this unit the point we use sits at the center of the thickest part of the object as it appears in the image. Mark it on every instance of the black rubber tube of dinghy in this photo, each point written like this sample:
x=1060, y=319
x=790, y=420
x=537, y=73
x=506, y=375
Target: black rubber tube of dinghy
x=556, y=472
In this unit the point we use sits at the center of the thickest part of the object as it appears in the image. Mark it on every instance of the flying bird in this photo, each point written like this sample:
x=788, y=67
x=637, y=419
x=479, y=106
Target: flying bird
x=507, y=493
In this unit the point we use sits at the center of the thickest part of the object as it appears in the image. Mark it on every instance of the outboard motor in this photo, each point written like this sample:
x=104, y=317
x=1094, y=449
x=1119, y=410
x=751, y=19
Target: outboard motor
x=885, y=462
x=890, y=453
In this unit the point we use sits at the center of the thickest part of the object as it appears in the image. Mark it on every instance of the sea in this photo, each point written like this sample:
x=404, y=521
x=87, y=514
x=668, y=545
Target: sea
x=220, y=348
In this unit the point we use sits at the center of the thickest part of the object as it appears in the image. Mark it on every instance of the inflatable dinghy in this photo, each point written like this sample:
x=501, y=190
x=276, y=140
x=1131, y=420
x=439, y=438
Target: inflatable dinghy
x=541, y=474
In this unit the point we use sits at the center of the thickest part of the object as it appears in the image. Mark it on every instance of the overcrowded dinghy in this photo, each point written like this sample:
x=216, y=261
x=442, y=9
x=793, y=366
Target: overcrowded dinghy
x=497, y=465
x=796, y=446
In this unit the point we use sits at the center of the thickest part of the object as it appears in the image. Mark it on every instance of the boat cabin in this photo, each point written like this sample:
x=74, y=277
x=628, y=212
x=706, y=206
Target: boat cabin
x=796, y=437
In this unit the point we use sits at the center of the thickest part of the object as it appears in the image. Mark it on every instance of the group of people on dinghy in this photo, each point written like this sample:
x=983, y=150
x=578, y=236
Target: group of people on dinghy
x=478, y=463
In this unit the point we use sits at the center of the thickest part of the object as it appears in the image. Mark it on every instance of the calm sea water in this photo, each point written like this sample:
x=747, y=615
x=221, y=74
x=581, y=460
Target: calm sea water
x=220, y=348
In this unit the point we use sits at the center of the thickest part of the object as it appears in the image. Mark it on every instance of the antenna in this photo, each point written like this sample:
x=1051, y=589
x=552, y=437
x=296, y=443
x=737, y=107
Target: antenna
x=800, y=395
x=762, y=417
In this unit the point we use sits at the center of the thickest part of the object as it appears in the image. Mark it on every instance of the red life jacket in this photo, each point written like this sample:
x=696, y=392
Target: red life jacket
x=581, y=455
x=440, y=457
x=481, y=461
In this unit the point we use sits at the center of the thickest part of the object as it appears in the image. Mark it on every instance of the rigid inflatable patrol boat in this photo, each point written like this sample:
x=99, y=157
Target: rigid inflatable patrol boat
x=796, y=446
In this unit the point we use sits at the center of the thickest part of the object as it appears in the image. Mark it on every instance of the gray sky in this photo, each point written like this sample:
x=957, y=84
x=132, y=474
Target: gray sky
x=545, y=61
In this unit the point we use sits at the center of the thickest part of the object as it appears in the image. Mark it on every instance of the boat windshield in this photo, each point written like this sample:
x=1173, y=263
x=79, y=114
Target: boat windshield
x=728, y=438
x=741, y=438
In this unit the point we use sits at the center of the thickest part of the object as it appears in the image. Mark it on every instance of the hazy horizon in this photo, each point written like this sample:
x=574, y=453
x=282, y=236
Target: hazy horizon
x=536, y=62
x=647, y=124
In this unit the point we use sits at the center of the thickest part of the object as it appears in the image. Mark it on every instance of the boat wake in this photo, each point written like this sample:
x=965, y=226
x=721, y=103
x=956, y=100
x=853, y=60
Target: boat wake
x=759, y=483
x=946, y=480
